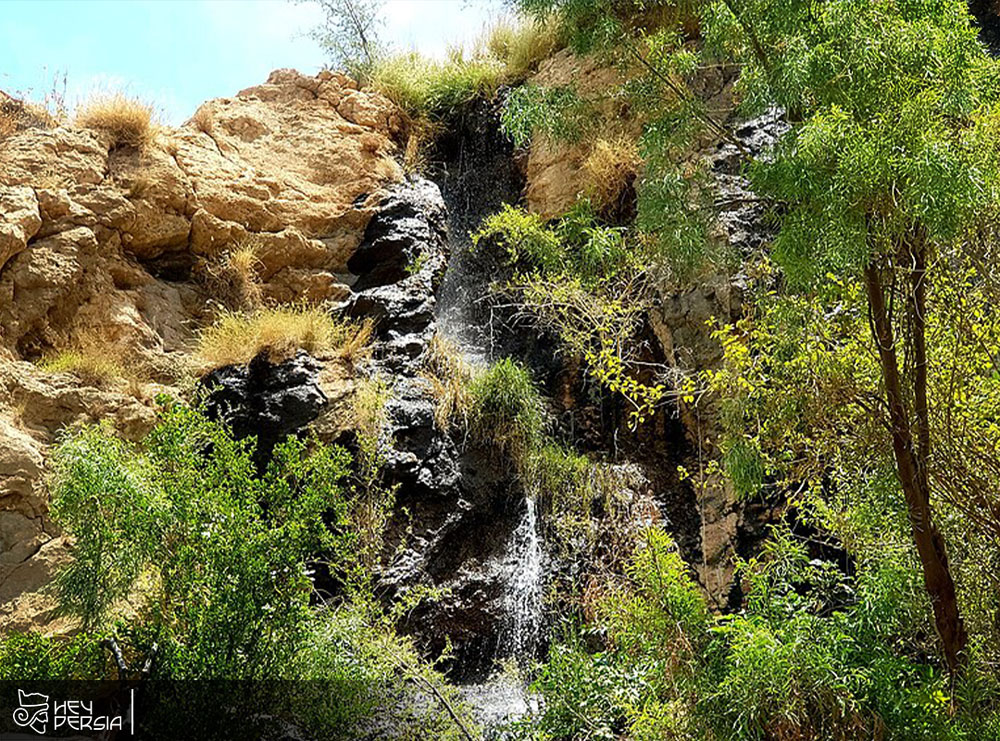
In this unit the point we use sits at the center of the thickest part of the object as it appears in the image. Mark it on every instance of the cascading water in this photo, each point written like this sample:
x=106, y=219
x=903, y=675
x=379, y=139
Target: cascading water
x=523, y=571
x=478, y=175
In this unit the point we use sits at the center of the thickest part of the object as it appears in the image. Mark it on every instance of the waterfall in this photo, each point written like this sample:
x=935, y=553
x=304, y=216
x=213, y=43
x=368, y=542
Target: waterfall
x=522, y=572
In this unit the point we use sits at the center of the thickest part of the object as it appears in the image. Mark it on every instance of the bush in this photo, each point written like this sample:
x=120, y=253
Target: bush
x=585, y=283
x=237, y=337
x=128, y=121
x=506, y=409
x=234, y=278
x=88, y=363
x=449, y=376
x=210, y=554
x=814, y=654
x=372, y=681
x=611, y=167
x=33, y=656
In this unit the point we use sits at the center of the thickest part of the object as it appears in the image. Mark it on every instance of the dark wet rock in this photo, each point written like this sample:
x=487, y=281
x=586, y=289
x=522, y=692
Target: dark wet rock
x=265, y=399
x=399, y=265
x=409, y=226
x=987, y=15
x=741, y=214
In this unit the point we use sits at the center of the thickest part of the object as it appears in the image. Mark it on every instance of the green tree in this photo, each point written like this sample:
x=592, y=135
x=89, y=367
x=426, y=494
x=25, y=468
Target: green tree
x=183, y=532
x=349, y=33
x=887, y=172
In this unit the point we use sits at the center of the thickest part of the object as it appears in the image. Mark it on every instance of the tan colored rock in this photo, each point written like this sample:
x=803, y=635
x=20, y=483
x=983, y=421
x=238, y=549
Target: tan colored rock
x=116, y=243
x=23, y=604
x=53, y=158
x=555, y=175
x=20, y=220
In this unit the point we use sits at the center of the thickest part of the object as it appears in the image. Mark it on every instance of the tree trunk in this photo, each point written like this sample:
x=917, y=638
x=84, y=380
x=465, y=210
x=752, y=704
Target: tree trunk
x=911, y=463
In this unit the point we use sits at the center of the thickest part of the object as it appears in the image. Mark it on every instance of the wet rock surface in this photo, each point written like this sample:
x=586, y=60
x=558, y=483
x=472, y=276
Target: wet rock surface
x=399, y=266
x=267, y=400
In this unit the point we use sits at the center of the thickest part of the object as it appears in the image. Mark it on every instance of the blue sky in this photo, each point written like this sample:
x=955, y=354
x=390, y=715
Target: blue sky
x=178, y=53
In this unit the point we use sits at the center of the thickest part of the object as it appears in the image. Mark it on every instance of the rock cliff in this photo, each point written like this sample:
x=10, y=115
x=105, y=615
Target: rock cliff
x=126, y=247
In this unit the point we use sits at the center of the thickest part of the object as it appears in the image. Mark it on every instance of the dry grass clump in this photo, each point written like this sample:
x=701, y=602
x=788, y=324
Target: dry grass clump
x=522, y=45
x=8, y=124
x=126, y=120
x=96, y=359
x=234, y=281
x=449, y=376
x=237, y=337
x=17, y=115
x=611, y=168
x=204, y=120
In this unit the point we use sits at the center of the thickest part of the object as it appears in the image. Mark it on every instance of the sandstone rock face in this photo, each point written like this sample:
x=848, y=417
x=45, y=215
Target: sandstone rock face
x=555, y=176
x=119, y=246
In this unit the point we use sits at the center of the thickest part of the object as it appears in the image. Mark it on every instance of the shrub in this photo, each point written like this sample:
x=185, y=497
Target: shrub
x=373, y=499
x=813, y=654
x=211, y=554
x=97, y=359
x=237, y=337
x=128, y=121
x=8, y=124
x=506, y=409
x=584, y=282
x=561, y=479
x=33, y=656
x=204, y=119
x=380, y=683
x=234, y=280
x=611, y=167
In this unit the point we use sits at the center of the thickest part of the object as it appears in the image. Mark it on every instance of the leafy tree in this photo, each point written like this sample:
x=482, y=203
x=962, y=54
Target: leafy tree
x=349, y=33
x=888, y=171
x=586, y=283
x=184, y=532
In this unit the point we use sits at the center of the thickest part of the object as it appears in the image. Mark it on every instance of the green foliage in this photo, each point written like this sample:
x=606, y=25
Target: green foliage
x=577, y=246
x=506, y=409
x=379, y=679
x=349, y=33
x=557, y=112
x=813, y=654
x=221, y=550
x=184, y=542
x=427, y=87
x=583, y=281
x=103, y=496
x=585, y=694
x=33, y=656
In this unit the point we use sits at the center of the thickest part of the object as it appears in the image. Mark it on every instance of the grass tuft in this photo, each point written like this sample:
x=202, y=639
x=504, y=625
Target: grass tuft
x=521, y=45
x=128, y=121
x=611, y=167
x=204, y=120
x=449, y=376
x=237, y=337
x=506, y=410
x=234, y=280
x=428, y=87
x=97, y=360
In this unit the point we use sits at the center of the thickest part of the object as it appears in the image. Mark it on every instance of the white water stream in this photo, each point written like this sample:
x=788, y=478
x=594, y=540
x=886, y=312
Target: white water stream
x=520, y=568
x=523, y=571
